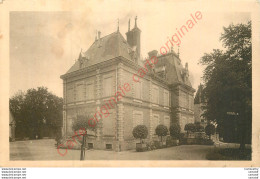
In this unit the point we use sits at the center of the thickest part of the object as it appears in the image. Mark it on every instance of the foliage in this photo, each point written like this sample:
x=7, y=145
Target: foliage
x=199, y=127
x=81, y=122
x=210, y=129
x=140, y=132
x=190, y=127
x=36, y=112
x=161, y=130
x=228, y=80
x=175, y=130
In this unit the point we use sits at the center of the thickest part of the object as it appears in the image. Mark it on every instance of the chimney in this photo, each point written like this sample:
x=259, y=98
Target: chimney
x=186, y=66
x=99, y=34
x=134, y=37
x=152, y=53
x=129, y=25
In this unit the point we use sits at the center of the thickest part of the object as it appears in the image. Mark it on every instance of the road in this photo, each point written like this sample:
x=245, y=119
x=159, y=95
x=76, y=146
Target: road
x=44, y=149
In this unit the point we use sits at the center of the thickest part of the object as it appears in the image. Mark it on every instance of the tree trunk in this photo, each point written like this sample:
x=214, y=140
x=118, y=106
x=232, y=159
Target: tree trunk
x=82, y=152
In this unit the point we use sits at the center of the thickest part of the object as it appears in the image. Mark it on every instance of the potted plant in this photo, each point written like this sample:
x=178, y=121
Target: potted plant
x=190, y=127
x=161, y=130
x=199, y=127
x=82, y=125
x=140, y=132
x=175, y=131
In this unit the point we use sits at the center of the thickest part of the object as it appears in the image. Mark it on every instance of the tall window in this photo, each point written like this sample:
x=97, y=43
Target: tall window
x=166, y=98
x=90, y=90
x=79, y=91
x=137, y=118
x=107, y=86
x=156, y=121
x=70, y=93
x=183, y=99
x=138, y=90
x=155, y=94
x=191, y=102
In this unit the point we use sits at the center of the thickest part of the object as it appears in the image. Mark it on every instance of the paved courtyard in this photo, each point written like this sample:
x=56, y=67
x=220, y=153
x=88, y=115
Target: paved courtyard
x=45, y=150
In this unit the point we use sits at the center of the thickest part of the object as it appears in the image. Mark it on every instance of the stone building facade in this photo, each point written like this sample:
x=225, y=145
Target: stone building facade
x=199, y=102
x=161, y=94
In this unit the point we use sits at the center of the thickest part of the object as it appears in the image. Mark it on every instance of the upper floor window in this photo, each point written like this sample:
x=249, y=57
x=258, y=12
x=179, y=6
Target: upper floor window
x=138, y=90
x=107, y=86
x=166, y=97
x=155, y=94
x=191, y=102
x=89, y=90
x=70, y=93
x=183, y=100
x=79, y=91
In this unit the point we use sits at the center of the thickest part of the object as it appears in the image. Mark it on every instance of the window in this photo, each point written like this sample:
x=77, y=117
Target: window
x=90, y=91
x=109, y=146
x=156, y=121
x=166, y=98
x=70, y=93
x=79, y=91
x=191, y=102
x=107, y=86
x=138, y=90
x=167, y=121
x=137, y=118
x=155, y=95
x=183, y=99
x=90, y=146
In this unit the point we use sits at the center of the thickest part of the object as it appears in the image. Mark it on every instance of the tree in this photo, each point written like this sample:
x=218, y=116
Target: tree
x=82, y=124
x=36, y=112
x=190, y=127
x=161, y=130
x=175, y=131
x=199, y=127
x=140, y=132
x=228, y=81
x=210, y=130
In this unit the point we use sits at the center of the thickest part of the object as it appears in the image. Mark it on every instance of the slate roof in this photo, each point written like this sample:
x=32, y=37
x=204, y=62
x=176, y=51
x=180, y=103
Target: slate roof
x=176, y=69
x=103, y=49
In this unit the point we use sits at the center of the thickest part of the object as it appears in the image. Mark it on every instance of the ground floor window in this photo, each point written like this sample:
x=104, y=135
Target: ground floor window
x=90, y=145
x=109, y=146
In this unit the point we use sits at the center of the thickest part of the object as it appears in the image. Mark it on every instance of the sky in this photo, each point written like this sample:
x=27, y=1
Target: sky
x=44, y=45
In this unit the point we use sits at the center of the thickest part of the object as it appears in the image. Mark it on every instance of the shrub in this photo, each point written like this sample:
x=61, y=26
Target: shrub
x=161, y=130
x=210, y=130
x=199, y=127
x=140, y=132
x=190, y=127
x=82, y=122
x=175, y=131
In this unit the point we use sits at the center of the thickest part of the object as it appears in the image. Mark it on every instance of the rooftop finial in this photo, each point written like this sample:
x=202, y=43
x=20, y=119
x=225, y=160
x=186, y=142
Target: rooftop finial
x=129, y=25
x=117, y=25
x=135, y=21
x=96, y=36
